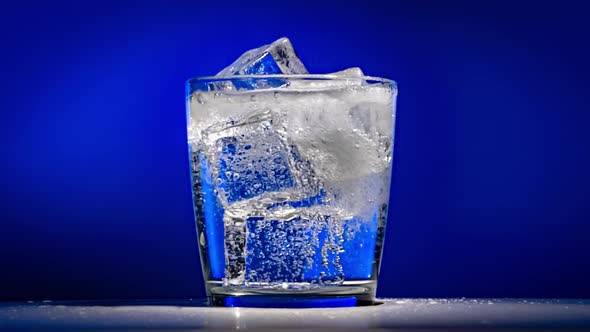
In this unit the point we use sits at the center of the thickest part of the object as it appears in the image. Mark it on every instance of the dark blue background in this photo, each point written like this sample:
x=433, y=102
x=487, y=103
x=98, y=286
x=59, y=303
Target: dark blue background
x=491, y=181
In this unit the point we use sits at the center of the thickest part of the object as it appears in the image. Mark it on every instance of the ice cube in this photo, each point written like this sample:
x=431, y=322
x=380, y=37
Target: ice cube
x=286, y=245
x=297, y=246
x=350, y=72
x=337, y=134
x=346, y=137
x=247, y=156
x=280, y=250
x=276, y=58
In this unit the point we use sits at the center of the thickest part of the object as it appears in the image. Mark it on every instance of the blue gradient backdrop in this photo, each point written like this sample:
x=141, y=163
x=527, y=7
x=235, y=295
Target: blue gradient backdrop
x=492, y=159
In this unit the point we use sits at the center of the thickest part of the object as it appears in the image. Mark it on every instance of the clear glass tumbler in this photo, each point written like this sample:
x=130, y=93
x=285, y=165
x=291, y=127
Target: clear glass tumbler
x=291, y=177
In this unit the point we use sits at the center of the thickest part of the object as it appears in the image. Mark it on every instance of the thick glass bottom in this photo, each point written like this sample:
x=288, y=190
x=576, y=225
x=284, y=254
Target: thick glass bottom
x=349, y=294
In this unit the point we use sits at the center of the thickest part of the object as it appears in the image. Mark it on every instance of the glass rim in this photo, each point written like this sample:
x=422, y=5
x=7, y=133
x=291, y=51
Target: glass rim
x=294, y=76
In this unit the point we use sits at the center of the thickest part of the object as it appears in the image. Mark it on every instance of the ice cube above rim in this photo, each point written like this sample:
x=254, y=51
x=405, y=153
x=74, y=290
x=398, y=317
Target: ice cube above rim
x=278, y=57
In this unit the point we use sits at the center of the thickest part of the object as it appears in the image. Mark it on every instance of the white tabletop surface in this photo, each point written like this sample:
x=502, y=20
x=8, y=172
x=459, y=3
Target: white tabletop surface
x=392, y=314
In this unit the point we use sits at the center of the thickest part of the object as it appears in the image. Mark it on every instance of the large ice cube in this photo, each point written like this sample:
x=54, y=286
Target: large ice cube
x=298, y=246
x=345, y=134
x=247, y=157
x=294, y=246
x=250, y=155
x=276, y=58
x=338, y=132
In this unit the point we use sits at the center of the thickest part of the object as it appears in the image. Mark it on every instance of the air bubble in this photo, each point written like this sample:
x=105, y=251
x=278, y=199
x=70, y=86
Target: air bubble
x=199, y=97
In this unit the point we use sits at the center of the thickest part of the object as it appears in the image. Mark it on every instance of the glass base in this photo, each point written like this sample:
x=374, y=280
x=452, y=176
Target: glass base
x=349, y=294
